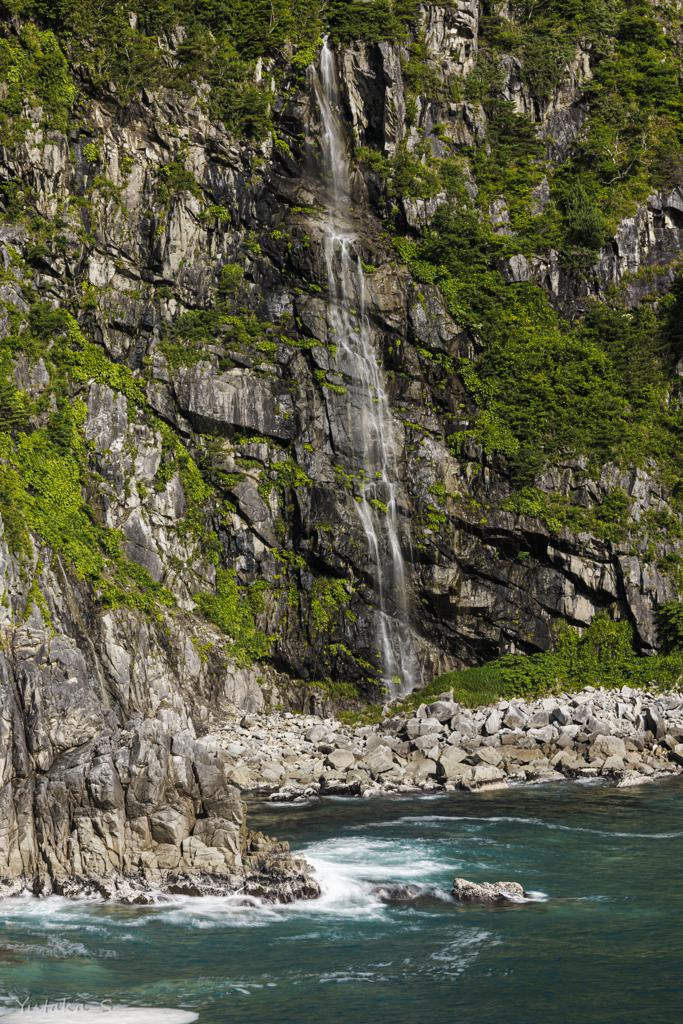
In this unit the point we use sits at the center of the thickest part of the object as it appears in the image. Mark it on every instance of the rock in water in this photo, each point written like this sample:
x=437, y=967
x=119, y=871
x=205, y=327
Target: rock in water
x=140, y=806
x=395, y=893
x=487, y=892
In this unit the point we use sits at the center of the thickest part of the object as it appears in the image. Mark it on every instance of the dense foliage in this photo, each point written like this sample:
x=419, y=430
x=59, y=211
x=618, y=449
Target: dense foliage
x=180, y=44
x=549, y=389
x=603, y=656
x=633, y=138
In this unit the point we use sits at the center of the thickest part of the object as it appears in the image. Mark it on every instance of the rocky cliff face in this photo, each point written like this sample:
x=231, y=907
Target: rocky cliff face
x=167, y=302
x=106, y=788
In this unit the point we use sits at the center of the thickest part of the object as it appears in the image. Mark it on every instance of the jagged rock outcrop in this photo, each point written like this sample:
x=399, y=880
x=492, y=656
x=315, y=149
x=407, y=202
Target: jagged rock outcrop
x=105, y=787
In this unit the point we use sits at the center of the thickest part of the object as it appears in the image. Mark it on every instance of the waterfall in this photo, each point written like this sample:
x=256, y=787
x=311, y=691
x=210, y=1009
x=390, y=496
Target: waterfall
x=369, y=425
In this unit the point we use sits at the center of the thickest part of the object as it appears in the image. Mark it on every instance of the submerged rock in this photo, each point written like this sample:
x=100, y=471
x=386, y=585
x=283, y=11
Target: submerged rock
x=395, y=893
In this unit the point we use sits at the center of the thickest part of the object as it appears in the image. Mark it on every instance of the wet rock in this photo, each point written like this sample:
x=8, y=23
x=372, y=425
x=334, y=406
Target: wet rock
x=632, y=778
x=395, y=893
x=487, y=892
x=339, y=787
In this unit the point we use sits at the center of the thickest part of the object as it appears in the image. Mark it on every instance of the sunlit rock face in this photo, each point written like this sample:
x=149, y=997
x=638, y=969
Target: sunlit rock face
x=270, y=473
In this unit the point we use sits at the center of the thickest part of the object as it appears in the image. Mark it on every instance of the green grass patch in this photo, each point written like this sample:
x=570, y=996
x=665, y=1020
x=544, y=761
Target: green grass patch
x=603, y=656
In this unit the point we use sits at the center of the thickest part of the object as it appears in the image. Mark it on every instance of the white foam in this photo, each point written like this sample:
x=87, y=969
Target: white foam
x=96, y=1013
x=504, y=818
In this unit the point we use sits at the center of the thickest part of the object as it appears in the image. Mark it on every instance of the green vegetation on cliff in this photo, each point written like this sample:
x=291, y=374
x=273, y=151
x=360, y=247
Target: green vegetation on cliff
x=549, y=389
x=541, y=390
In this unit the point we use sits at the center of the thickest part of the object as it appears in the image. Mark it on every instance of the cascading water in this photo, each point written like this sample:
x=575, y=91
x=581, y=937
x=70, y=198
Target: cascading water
x=369, y=426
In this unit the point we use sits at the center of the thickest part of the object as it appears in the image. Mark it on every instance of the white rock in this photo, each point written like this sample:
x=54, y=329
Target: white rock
x=493, y=722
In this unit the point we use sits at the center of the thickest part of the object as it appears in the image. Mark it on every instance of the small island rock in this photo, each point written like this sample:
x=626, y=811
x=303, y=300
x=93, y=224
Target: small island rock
x=486, y=892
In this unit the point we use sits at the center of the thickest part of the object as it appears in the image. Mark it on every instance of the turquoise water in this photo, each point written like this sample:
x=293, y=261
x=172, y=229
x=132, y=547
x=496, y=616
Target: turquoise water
x=601, y=941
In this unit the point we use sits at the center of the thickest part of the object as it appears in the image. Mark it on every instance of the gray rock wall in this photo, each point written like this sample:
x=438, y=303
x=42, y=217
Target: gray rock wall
x=104, y=786
x=481, y=581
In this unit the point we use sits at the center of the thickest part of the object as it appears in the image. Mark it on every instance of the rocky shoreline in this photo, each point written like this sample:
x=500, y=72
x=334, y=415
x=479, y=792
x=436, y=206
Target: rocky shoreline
x=90, y=806
x=626, y=737
x=148, y=810
x=268, y=873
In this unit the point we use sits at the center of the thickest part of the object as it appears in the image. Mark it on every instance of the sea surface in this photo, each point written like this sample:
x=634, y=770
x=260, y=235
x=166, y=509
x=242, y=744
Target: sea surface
x=599, y=942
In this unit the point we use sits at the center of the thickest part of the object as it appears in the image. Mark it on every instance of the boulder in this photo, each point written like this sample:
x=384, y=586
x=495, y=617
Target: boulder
x=453, y=754
x=339, y=787
x=538, y=720
x=521, y=754
x=546, y=734
x=487, y=892
x=316, y=734
x=561, y=715
x=513, y=738
x=514, y=718
x=450, y=764
x=413, y=727
x=377, y=761
x=676, y=754
x=544, y=774
x=242, y=777
x=563, y=759
x=443, y=710
x=432, y=727
x=597, y=726
x=375, y=741
x=424, y=742
x=463, y=725
x=607, y=746
x=632, y=779
x=342, y=760
x=484, y=776
x=420, y=770
x=493, y=722
x=656, y=722
x=485, y=755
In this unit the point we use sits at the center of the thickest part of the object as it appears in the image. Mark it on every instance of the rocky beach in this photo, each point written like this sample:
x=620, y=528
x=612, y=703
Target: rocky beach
x=626, y=737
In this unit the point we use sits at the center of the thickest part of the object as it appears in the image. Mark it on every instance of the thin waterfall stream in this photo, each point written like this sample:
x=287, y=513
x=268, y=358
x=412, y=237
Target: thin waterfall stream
x=372, y=429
